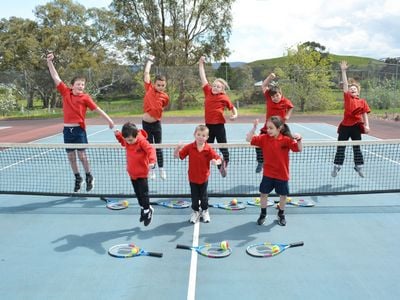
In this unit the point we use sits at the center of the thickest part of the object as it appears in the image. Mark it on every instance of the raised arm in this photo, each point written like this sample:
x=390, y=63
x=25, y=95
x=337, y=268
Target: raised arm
x=202, y=71
x=266, y=82
x=53, y=72
x=251, y=133
x=343, y=67
x=147, y=68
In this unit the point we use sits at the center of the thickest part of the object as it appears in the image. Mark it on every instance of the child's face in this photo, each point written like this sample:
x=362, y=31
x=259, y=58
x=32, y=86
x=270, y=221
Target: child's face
x=217, y=87
x=78, y=87
x=201, y=136
x=130, y=139
x=276, y=98
x=353, y=90
x=272, y=130
x=160, y=85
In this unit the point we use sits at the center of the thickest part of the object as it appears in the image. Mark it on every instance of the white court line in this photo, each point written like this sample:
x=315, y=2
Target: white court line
x=54, y=135
x=193, y=264
x=4, y=127
x=41, y=154
x=315, y=131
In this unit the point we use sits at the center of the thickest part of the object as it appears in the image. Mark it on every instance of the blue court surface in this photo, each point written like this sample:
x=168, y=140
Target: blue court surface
x=56, y=247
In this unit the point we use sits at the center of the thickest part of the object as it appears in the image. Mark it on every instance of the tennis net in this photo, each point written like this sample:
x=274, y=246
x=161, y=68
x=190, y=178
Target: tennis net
x=43, y=169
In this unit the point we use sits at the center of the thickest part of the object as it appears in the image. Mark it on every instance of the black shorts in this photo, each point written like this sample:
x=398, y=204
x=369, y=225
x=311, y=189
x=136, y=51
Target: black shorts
x=74, y=135
x=268, y=184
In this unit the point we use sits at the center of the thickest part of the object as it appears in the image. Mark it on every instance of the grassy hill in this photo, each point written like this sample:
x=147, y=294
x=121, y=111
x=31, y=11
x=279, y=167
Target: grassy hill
x=355, y=61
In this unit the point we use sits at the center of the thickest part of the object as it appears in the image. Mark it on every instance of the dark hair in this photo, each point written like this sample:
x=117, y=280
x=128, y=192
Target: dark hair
x=129, y=129
x=273, y=90
x=78, y=77
x=160, y=78
x=279, y=123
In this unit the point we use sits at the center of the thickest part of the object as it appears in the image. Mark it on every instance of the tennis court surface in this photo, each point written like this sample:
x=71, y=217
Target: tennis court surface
x=56, y=246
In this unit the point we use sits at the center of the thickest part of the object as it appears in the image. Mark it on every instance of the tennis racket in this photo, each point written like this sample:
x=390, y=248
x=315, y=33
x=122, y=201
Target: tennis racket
x=257, y=202
x=231, y=205
x=130, y=250
x=173, y=203
x=300, y=202
x=115, y=204
x=213, y=250
x=268, y=249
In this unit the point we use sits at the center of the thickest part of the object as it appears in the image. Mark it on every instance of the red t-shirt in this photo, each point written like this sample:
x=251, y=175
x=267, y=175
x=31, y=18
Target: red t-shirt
x=199, y=161
x=154, y=101
x=275, y=109
x=138, y=155
x=276, y=154
x=214, y=105
x=75, y=106
x=354, y=107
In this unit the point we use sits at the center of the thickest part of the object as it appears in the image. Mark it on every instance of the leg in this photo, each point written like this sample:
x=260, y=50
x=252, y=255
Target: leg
x=204, y=202
x=282, y=189
x=141, y=187
x=358, y=156
x=344, y=135
x=195, y=195
x=266, y=186
x=260, y=160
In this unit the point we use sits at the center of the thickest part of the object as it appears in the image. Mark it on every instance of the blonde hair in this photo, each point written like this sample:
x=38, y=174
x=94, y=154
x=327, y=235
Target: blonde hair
x=353, y=82
x=224, y=83
x=201, y=128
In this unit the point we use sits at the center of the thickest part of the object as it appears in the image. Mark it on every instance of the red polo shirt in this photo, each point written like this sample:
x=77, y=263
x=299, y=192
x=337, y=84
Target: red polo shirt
x=199, y=161
x=75, y=106
x=276, y=154
x=214, y=105
x=154, y=101
x=276, y=109
x=138, y=155
x=350, y=105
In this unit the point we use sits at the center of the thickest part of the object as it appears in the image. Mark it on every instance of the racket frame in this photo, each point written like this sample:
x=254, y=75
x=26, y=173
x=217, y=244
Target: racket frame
x=199, y=249
x=282, y=247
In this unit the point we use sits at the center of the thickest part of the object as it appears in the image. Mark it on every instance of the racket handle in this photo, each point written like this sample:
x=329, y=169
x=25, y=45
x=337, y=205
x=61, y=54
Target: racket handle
x=298, y=244
x=179, y=246
x=156, y=254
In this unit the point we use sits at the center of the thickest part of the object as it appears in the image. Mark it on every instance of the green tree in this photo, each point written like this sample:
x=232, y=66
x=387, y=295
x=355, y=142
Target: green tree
x=176, y=32
x=310, y=78
x=224, y=71
x=7, y=100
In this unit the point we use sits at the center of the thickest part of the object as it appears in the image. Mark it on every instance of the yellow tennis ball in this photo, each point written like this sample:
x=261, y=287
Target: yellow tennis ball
x=234, y=201
x=257, y=200
x=224, y=245
x=125, y=203
x=135, y=250
x=275, y=249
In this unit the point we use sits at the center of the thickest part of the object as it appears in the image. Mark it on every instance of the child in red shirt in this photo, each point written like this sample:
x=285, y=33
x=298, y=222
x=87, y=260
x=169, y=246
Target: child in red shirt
x=75, y=104
x=155, y=100
x=215, y=102
x=275, y=146
x=200, y=155
x=140, y=156
x=354, y=123
x=276, y=105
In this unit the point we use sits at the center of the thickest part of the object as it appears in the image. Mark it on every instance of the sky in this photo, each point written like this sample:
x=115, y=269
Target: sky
x=265, y=29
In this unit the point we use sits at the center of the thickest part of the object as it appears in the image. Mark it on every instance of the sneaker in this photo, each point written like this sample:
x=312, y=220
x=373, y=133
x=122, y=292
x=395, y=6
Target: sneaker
x=261, y=219
x=78, y=182
x=336, y=169
x=222, y=168
x=163, y=174
x=359, y=170
x=206, y=216
x=89, y=182
x=281, y=220
x=152, y=174
x=194, y=218
x=147, y=217
x=141, y=215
